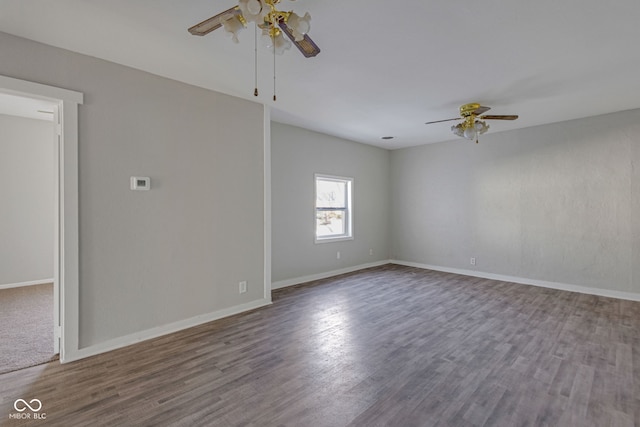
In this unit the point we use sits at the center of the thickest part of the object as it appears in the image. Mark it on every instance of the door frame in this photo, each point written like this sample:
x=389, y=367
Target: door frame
x=66, y=267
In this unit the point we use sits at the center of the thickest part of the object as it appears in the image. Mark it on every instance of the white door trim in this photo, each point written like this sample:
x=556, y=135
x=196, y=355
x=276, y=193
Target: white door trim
x=267, y=202
x=67, y=268
x=57, y=141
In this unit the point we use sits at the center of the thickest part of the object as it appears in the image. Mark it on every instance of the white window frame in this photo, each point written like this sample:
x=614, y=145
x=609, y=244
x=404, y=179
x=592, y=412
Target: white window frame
x=348, y=211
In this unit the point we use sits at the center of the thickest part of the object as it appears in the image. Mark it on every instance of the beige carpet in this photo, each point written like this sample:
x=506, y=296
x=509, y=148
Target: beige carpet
x=26, y=327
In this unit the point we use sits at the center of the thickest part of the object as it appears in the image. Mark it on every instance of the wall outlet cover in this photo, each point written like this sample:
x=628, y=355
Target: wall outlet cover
x=140, y=183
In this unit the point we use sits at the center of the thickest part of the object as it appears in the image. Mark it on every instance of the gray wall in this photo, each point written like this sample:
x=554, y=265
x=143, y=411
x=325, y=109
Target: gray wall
x=26, y=200
x=557, y=203
x=148, y=259
x=297, y=154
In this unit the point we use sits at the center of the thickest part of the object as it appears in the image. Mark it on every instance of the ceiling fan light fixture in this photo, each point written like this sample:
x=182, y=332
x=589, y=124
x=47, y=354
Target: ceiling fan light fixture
x=232, y=25
x=471, y=127
x=274, y=23
x=254, y=7
x=470, y=133
x=298, y=25
x=253, y=10
x=277, y=42
x=481, y=127
x=266, y=16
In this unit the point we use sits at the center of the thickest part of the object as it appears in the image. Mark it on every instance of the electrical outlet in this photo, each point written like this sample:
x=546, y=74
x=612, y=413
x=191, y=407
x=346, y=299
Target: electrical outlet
x=473, y=261
x=338, y=255
x=242, y=287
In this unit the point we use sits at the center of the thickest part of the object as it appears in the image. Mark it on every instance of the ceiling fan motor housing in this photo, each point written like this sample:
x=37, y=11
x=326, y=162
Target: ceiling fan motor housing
x=468, y=109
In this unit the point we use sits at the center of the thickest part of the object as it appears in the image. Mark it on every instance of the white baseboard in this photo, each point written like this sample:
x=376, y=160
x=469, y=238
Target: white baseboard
x=632, y=296
x=21, y=284
x=160, y=331
x=319, y=276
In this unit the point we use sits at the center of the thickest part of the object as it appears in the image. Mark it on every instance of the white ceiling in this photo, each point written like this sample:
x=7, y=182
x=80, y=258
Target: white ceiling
x=385, y=67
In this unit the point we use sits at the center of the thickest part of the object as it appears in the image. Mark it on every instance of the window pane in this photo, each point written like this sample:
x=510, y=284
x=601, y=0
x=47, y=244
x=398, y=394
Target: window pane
x=333, y=214
x=331, y=194
x=330, y=223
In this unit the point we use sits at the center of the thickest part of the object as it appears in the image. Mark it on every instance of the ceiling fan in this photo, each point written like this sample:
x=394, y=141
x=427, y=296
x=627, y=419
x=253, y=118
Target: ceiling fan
x=273, y=23
x=472, y=116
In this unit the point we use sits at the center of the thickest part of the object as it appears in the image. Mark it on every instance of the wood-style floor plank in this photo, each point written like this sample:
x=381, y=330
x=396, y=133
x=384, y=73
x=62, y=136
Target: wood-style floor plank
x=386, y=346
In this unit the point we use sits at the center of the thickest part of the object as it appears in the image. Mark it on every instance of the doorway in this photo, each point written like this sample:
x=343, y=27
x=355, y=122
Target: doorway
x=64, y=112
x=28, y=190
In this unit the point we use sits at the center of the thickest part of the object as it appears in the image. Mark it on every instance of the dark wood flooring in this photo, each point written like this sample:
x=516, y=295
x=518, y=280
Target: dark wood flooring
x=386, y=346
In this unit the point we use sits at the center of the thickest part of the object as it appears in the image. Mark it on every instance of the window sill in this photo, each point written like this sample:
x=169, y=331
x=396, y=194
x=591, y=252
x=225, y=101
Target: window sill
x=333, y=239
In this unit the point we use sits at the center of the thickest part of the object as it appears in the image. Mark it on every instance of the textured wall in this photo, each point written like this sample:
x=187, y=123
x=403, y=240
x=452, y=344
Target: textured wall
x=148, y=259
x=296, y=155
x=26, y=200
x=556, y=203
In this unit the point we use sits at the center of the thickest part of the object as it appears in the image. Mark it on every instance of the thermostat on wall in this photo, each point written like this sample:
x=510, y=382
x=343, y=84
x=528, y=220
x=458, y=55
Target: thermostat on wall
x=140, y=183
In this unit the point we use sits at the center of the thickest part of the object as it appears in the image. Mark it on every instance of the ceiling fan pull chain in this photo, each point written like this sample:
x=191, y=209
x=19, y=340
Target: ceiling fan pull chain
x=255, y=57
x=274, y=66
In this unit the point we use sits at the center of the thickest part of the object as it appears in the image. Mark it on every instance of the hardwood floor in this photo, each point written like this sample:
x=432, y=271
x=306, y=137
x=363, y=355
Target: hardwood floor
x=386, y=346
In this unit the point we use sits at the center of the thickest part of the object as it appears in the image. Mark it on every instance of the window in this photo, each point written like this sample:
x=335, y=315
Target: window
x=333, y=208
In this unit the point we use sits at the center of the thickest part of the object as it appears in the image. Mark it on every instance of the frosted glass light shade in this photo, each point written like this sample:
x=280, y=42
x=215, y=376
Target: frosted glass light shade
x=481, y=127
x=298, y=25
x=253, y=10
x=478, y=128
x=254, y=6
x=232, y=26
x=281, y=43
x=470, y=133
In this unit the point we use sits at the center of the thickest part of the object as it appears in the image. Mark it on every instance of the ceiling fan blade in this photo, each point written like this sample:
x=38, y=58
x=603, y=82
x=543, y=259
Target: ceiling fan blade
x=213, y=23
x=307, y=46
x=445, y=120
x=498, y=117
x=481, y=110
